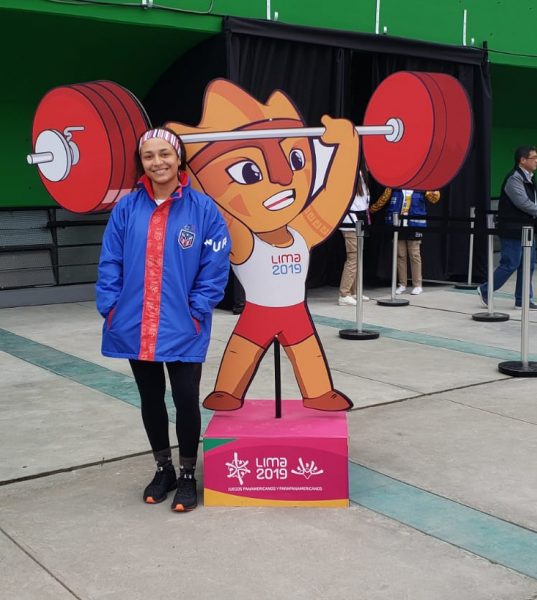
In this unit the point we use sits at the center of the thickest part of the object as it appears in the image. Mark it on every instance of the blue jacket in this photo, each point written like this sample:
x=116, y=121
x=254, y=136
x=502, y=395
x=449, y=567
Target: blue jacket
x=162, y=270
x=416, y=209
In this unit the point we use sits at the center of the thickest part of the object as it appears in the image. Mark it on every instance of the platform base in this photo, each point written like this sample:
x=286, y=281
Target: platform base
x=354, y=334
x=466, y=286
x=392, y=302
x=489, y=317
x=253, y=459
x=518, y=369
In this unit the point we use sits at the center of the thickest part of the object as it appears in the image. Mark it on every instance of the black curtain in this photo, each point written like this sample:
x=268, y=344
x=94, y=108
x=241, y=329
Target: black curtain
x=335, y=73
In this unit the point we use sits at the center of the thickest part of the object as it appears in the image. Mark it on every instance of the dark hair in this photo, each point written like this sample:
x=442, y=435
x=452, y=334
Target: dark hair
x=362, y=168
x=523, y=152
x=182, y=162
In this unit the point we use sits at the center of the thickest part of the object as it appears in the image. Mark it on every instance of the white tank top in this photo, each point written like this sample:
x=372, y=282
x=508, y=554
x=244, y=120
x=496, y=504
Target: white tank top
x=274, y=276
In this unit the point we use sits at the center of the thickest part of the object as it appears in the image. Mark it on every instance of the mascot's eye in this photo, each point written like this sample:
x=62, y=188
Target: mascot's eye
x=245, y=172
x=297, y=160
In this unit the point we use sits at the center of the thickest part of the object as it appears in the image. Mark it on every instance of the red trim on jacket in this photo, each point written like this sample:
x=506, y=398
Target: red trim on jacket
x=154, y=267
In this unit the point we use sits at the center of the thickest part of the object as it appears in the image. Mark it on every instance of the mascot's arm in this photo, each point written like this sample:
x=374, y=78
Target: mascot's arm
x=382, y=201
x=317, y=221
x=242, y=239
x=432, y=197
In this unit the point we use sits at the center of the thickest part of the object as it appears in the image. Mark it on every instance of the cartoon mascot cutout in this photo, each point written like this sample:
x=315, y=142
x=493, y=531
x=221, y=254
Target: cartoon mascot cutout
x=419, y=132
x=264, y=188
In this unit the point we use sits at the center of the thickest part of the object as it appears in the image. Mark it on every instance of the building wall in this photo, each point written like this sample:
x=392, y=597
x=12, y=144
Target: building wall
x=50, y=44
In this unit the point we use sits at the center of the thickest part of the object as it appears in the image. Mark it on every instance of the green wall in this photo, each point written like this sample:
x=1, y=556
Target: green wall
x=514, y=120
x=45, y=44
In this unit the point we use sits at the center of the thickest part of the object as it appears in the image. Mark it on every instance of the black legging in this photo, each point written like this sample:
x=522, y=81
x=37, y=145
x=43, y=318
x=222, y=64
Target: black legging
x=185, y=383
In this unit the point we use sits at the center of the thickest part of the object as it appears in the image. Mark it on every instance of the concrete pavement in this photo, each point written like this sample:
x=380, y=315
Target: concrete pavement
x=442, y=467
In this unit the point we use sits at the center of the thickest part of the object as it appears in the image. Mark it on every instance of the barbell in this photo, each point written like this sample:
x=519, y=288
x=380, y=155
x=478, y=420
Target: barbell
x=85, y=137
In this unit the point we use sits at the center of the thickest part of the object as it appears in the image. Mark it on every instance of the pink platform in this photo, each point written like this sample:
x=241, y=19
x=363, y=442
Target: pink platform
x=253, y=459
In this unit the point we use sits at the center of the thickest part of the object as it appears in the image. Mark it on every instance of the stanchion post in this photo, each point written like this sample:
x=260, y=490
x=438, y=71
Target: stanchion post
x=523, y=368
x=359, y=333
x=393, y=301
x=277, y=380
x=490, y=315
x=469, y=285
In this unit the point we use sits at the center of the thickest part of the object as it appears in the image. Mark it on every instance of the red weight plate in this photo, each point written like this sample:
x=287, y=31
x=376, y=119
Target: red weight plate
x=88, y=182
x=139, y=123
x=433, y=160
x=402, y=95
x=129, y=139
x=116, y=140
x=139, y=119
x=458, y=132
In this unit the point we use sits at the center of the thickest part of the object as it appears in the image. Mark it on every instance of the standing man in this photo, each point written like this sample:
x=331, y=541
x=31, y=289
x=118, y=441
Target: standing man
x=517, y=207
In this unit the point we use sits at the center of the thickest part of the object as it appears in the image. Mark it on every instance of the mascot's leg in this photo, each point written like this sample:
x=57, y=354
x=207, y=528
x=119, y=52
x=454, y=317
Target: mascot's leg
x=237, y=369
x=313, y=377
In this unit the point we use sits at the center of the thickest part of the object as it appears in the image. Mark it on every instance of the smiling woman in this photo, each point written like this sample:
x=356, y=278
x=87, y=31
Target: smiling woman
x=162, y=157
x=163, y=268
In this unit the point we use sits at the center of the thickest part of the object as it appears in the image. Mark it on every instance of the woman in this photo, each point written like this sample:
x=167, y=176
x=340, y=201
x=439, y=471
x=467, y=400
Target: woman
x=359, y=209
x=163, y=268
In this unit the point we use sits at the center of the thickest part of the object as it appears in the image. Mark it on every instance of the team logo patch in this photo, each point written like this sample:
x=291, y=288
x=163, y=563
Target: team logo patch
x=186, y=237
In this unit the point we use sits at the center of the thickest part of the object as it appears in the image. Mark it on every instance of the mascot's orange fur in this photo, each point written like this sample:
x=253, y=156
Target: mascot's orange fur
x=264, y=189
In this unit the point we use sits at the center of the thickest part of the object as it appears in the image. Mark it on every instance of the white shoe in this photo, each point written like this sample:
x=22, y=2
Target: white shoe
x=400, y=289
x=417, y=290
x=346, y=301
x=364, y=297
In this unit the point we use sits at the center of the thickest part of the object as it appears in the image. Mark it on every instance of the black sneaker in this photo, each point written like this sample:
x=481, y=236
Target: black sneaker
x=480, y=294
x=532, y=306
x=186, y=496
x=163, y=482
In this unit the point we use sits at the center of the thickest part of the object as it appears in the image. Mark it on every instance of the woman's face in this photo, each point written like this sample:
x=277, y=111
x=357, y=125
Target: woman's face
x=160, y=161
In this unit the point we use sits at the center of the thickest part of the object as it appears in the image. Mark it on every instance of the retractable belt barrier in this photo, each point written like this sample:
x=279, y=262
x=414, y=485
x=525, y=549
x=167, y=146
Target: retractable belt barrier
x=522, y=368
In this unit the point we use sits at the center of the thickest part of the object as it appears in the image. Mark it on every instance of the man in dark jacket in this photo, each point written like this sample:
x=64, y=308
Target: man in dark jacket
x=517, y=207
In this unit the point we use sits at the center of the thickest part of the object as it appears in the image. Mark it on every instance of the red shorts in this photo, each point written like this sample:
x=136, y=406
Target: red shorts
x=261, y=324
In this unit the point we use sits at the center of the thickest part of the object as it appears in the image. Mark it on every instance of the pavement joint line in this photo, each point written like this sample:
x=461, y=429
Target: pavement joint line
x=95, y=463
x=493, y=538
x=492, y=412
x=426, y=339
x=421, y=395
x=40, y=564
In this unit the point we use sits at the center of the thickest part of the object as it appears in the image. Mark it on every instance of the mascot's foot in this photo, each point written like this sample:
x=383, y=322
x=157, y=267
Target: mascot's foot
x=222, y=401
x=330, y=401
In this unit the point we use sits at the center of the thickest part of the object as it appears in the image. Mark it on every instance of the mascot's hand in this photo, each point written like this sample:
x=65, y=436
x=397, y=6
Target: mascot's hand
x=337, y=131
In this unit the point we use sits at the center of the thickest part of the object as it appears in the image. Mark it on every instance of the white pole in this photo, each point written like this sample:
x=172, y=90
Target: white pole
x=464, y=19
x=268, y=10
x=527, y=249
x=377, y=18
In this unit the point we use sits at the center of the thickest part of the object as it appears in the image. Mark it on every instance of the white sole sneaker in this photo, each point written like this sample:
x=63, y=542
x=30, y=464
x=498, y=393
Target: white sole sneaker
x=416, y=291
x=346, y=301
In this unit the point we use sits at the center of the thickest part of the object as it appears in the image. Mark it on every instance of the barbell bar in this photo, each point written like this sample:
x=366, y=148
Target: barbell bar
x=393, y=131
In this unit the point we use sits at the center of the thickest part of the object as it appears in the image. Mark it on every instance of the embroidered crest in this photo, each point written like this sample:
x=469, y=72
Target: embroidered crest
x=186, y=237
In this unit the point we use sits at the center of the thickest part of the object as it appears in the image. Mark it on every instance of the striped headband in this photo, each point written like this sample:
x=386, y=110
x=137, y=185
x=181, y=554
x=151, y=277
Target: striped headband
x=163, y=134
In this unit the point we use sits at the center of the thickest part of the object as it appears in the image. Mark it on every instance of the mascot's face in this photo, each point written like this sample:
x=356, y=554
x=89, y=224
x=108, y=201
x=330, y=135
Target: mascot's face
x=264, y=186
x=264, y=183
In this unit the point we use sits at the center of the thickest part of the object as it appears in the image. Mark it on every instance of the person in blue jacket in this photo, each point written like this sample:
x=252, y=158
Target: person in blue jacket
x=163, y=268
x=410, y=206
